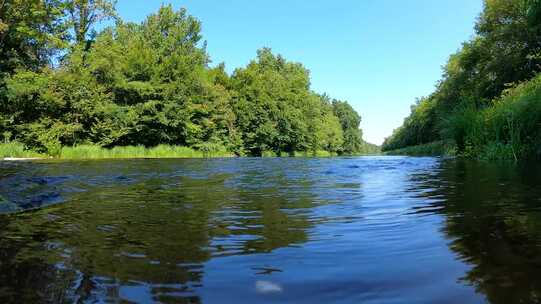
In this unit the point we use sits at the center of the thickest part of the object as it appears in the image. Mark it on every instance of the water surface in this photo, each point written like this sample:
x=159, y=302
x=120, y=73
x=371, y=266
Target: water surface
x=333, y=230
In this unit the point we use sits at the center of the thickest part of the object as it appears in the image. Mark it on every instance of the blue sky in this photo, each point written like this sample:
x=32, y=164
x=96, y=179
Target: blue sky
x=379, y=55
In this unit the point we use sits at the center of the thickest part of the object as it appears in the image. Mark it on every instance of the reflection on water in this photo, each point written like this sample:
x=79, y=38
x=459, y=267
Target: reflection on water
x=493, y=215
x=341, y=230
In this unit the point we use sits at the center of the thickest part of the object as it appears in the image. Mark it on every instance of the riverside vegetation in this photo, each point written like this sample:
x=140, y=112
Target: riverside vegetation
x=488, y=103
x=148, y=90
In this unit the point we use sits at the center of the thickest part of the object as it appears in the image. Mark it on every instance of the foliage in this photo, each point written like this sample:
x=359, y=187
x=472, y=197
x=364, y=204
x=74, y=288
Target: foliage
x=467, y=105
x=30, y=33
x=16, y=150
x=509, y=129
x=350, y=121
x=150, y=84
x=418, y=128
x=368, y=149
x=83, y=14
x=277, y=111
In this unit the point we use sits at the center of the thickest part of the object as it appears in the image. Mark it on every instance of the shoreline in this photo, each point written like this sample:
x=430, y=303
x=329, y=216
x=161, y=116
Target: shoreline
x=436, y=148
x=24, y=159
x=17, y=159
x=18, y=152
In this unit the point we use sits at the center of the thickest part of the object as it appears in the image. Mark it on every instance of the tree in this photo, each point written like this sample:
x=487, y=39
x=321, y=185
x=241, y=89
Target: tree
x=273, y=95
x=30, y=33
x=83, y=14
x=350, y=121
x=150, y=83
x=157, y=73
x=505, y=52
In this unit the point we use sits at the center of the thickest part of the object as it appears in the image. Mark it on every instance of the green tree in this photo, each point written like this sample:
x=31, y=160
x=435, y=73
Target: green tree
x=272, y=94
x=350, y=121
x=158, y=75
x=505, y=51
x=84, y=14
x=151, y=83
x=31, y=31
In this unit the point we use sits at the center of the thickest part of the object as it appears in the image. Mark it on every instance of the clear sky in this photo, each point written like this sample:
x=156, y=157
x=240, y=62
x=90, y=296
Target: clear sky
x=379, y=55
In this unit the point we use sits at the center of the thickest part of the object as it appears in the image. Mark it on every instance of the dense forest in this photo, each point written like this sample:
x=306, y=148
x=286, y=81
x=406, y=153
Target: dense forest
x=488, y=102
x=62, y=84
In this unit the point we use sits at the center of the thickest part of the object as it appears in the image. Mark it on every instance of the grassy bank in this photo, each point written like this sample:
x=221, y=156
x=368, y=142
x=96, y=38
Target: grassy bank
x=488, y=100
x=439, y=148
x=318, y=153
x=18, y=150
x=507, y=129
x=161, y=151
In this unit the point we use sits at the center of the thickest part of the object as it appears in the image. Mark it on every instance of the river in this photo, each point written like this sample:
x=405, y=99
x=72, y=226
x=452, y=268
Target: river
x=270, y=230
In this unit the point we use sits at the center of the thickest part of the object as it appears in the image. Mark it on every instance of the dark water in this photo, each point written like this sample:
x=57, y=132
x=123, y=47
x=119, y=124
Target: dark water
x=342, y=230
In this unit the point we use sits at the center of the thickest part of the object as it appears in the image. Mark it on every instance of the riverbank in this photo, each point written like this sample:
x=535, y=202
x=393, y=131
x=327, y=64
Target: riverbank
x=489, y=99
x=18, y=152
x=14, y=150
x=438, y=148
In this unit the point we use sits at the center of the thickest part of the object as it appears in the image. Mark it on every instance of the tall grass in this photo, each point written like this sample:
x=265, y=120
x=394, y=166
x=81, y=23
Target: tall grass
x=515, y=122
x=508, y=129
x=318, y=153
x=438, y=148
x=161, y=151
x=17, y=150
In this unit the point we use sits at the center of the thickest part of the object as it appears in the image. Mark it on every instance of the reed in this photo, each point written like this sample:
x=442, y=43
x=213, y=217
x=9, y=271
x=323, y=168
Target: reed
x=438, y=148
x=161, y=151
x=17, y=150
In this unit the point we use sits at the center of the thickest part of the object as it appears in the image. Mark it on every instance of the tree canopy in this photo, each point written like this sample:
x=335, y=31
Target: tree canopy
x=151, y=83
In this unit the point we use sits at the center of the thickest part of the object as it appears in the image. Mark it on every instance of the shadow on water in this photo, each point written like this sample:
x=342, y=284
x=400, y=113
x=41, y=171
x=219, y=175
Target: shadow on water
x=492, y=216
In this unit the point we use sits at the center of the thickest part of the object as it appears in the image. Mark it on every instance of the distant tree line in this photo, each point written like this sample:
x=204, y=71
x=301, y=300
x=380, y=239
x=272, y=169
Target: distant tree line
x=488, y=102
x=151, y=83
